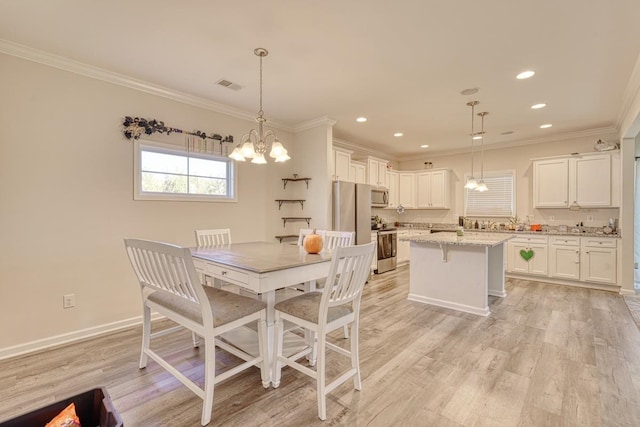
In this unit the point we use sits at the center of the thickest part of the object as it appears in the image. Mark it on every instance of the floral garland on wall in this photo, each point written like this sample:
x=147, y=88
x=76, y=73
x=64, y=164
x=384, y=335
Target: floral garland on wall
x=135, y=127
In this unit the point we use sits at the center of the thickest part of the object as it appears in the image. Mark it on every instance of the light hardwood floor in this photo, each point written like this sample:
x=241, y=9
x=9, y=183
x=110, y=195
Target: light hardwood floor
x=548, y=355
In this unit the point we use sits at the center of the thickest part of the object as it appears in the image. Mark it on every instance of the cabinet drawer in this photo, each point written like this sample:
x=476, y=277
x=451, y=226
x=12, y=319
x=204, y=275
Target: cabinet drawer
x=225, y=273
x=565, y=241
x=594, y=242
x=200, y=266
x=528, y=240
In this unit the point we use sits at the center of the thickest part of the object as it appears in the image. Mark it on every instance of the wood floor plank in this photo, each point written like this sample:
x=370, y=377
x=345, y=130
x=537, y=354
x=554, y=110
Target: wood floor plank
x=548, y=355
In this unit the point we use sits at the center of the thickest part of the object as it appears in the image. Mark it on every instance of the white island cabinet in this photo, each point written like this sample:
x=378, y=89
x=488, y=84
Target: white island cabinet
x=457, y=272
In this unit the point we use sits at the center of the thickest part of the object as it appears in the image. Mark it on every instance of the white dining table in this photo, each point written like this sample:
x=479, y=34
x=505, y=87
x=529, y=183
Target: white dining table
x=262, y=268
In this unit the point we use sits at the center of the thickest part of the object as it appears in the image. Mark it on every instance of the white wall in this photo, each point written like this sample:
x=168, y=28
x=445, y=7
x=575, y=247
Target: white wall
x=313, y=147
x=66, y=187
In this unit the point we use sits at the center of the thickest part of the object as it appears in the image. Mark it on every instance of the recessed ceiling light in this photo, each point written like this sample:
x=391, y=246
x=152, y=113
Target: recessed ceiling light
x=476, y=137
x=545, y=126
x=398, y=134
x=538, y=106
x=424, y=146
x=361, y=119
x=525, y=75
x=469, y=91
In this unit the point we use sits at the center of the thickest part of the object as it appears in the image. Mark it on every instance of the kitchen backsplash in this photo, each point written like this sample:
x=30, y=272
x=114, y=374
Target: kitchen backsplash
x=551, y=217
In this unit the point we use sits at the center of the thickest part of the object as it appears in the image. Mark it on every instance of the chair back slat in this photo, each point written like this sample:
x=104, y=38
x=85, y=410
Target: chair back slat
x=349, y=270
x=212, y=238
x=334, y=239
x=330, y=239
x=164, y=267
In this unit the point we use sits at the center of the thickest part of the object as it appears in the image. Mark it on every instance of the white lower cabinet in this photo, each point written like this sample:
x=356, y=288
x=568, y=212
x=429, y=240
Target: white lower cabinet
x=584, y=259
x=528, y=255
x=598, y=260
x=564, y=257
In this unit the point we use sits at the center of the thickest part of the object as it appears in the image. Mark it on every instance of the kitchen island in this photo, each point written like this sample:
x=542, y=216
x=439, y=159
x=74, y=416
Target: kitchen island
x=457, y=272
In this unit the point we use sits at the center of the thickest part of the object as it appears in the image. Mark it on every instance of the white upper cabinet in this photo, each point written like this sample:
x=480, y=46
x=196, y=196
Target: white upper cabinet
x=407, y=189
x=551, y=183
x=433, y=190
x=377, y=172
x=392, y=180
x=592, y=180
x=589, y=180
x=358, y=173
x=341, y=164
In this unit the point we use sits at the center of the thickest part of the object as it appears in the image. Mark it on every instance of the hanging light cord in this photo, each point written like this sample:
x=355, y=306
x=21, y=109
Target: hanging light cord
x=482, y=145
x=473, y=104
x=260, y=112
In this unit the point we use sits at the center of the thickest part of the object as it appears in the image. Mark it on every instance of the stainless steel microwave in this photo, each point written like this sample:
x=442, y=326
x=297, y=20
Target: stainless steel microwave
x=379, y=198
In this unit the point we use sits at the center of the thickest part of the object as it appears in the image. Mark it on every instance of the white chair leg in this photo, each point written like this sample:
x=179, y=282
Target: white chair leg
x=196, y=340
x=264, y=351
x=346, y=332
x=355, y=355
x=146, y=336
x=277, y=350
x=313, y=356
x=209, y=379
x=321, y=377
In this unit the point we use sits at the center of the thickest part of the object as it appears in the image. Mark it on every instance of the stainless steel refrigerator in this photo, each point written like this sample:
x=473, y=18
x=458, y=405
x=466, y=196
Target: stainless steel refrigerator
x=352, y=209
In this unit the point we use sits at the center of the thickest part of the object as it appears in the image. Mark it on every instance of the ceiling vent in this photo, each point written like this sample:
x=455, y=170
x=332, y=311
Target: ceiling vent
x=228, y=84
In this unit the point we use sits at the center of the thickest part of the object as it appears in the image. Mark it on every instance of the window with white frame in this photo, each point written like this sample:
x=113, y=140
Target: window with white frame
x=498, y=201
x=169, y=172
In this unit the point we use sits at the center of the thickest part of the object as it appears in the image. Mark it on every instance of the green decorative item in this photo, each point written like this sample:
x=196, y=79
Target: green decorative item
x=526, y=254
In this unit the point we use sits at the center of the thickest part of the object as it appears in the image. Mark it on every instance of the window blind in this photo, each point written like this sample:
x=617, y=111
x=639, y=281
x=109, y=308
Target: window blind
x=497, y=202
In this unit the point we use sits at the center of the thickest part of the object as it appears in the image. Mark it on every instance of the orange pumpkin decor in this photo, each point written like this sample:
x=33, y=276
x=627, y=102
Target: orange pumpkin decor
x=312, y=243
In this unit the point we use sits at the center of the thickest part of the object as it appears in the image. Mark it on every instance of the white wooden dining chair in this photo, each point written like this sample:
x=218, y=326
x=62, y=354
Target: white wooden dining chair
x=209, y=239
x=330, y=240
x=171, y=287
x=213, y=237
x=322, y=312
x=334, y=239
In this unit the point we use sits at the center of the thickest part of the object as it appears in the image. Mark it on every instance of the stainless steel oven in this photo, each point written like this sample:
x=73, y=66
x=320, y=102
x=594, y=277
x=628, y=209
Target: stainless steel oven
x=387, y=248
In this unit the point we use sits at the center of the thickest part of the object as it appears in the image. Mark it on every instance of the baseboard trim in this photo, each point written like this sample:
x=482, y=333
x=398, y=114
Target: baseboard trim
x=448, y=304
x=69, y=337
x=555, y=281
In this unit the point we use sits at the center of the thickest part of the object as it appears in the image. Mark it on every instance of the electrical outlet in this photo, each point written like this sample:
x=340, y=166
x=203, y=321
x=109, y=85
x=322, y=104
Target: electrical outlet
x=590, y=218
x=69, y=301
x=552, y=218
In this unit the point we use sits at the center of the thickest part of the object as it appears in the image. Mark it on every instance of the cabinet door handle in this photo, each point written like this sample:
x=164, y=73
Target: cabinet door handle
x=223, y=272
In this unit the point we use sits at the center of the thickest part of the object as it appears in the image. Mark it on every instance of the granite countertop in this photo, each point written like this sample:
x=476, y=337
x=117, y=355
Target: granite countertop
x=468, y=239
x=555, y=232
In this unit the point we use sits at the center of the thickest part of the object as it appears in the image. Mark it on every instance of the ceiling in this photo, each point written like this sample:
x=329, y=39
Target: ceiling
x=401, y=64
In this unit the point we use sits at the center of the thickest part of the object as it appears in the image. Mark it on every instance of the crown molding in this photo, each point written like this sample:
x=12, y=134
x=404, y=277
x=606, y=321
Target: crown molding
x=599, y=132
x=76, y=67
x=362, y=150
x=310, y=124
